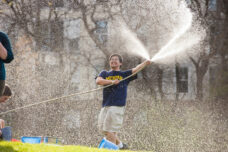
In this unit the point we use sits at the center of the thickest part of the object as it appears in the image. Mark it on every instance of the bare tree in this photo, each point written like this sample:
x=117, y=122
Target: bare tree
x=210, y=16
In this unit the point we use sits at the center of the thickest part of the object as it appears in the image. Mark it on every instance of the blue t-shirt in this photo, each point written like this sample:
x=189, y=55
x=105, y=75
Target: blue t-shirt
x=116, y=95
x=7, y=45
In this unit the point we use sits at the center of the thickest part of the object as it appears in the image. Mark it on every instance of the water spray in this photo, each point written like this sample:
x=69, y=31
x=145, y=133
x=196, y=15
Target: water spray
x=163, y=53
x=131, y=43
x=174, y=46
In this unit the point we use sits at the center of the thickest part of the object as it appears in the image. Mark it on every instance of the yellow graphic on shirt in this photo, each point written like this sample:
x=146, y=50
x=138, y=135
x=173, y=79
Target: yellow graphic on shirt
x=114, y=77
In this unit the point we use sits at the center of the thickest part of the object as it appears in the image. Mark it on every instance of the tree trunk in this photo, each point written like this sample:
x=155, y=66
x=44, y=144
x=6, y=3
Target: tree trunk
x=201, y=70
x=199, y=87
x=160, y=79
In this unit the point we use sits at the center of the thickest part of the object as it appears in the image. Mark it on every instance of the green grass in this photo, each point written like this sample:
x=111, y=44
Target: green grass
x=24, y=147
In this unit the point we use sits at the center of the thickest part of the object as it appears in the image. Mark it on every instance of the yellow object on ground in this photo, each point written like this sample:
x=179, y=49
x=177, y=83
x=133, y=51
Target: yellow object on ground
x=25, y=147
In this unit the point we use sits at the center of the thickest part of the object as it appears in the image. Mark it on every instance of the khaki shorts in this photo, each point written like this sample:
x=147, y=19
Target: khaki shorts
x=111, y=118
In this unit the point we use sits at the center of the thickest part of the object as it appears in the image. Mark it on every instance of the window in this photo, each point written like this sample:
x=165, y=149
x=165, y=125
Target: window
x=58, y=3
x=212, y=5
x=101, y=1
x=212, y=75
x=44, y=36
x=101, y=31
x=74, y=44
x=72, y=28
x=188, y=2
x=51, y=35
x=51, y=3
x=56, y=32
x=182, y=79
x=72, y=34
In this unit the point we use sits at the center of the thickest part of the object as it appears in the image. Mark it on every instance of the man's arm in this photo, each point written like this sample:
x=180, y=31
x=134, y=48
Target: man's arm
x=140, y=66
x=103, y=82
x=6, y=54
x=3, y=52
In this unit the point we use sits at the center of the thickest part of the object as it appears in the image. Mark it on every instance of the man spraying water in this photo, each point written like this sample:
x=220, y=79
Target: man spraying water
x=114, y=98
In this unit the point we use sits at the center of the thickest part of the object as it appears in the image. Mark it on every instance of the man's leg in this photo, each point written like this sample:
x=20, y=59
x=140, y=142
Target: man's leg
x=2, y=86
x=117, y=139
x=120, y=144
x=2, y=123
x=112, y=119
x=110, y=136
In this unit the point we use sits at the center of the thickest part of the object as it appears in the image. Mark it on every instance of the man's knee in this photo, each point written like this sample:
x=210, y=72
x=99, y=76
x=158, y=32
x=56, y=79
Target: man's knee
x=2, y=123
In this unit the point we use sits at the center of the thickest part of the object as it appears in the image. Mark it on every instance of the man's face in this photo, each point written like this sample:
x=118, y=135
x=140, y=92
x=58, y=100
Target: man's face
x=4, y=98
x=115, y=62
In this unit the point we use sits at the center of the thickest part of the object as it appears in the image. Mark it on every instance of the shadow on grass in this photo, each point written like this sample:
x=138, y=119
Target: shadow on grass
x=7, y=149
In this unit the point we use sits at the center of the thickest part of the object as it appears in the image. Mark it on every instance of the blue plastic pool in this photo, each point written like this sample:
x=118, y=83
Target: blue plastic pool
x=31, y=140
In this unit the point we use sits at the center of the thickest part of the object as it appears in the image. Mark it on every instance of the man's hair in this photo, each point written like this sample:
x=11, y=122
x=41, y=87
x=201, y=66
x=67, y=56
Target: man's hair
x=7, y=91
x=119, y=56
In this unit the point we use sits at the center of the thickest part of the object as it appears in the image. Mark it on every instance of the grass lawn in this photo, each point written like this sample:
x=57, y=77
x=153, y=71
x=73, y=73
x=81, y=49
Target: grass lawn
x=24, y=147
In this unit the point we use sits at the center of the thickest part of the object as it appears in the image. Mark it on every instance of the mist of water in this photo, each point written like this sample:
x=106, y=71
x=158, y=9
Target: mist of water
x=177, y=44
x=181, y=38
x=132, y=43
x=164, y=50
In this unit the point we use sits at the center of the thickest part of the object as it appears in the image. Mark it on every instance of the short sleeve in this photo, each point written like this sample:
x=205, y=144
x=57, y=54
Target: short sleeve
x=128, y=73
x=102, y=74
